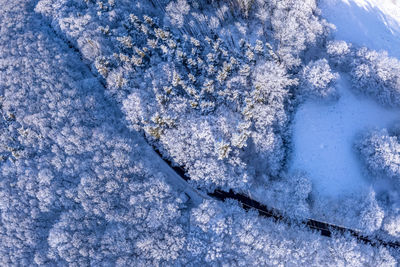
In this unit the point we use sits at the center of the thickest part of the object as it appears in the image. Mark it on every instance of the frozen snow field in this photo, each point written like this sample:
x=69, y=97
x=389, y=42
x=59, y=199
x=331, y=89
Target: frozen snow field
x=324, y=134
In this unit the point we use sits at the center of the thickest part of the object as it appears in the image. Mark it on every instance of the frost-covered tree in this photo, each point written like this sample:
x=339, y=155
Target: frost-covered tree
x=75, y=239
x=377, y=75
x=363, y=211
x=176, y=10
x=290, y=194
x=373, y=73
x=317, y=80
x=340, y=54
x=189, y=114
x=372, y=215
x=380, y=152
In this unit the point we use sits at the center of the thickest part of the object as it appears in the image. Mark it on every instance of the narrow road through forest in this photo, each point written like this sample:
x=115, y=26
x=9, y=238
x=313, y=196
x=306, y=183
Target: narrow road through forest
x=177, y=176
x=324, y=228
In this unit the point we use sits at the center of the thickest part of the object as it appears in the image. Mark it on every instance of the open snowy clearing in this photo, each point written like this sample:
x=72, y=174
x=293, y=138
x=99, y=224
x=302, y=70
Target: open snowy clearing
x=324, y=134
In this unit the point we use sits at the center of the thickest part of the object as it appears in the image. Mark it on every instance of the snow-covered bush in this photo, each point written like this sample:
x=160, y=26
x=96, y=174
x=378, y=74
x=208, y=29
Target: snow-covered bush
x=377, y=75
x=318, y=81
x=340, y=54
x=381, y=153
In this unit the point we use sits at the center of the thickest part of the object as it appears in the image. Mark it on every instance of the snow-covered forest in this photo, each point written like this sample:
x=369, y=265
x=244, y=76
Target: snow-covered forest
x=290, y=102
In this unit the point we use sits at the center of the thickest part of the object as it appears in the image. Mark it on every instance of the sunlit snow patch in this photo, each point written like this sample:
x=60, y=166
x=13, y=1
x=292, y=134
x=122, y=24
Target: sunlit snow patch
x=371, y=23
x=324, y=135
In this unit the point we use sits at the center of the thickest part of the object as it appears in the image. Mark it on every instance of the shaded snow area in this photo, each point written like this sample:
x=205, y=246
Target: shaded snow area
x=324, y=133
x=371, y=23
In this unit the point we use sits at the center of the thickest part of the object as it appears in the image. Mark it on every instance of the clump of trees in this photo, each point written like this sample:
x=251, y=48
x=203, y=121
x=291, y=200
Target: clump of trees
x=373, y=73
x=207, y=95
x=142, y=225
x=76, y=186
x=291, y=194
x=380, y=152
x=225, y=234
x=364, y=211
x=378, y=75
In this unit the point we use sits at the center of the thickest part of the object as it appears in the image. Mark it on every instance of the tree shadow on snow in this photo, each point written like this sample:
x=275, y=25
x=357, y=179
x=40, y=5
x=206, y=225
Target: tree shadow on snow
x=363, y=25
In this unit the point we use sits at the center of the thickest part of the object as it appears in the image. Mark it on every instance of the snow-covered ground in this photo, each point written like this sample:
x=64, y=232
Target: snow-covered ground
x=324, y=135
x=371, y=23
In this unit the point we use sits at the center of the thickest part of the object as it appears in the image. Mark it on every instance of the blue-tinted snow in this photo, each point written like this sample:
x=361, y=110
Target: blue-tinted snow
x=324, y=134
x=371, y=23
